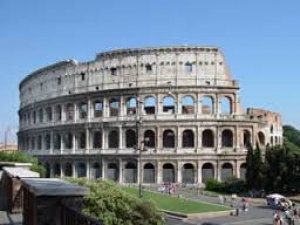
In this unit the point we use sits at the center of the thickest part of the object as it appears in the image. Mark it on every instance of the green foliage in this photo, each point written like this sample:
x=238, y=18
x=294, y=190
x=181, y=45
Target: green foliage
x=292, y=135
x=21, y=157
x=108, y=203
x=234, y=185
x=212, y=184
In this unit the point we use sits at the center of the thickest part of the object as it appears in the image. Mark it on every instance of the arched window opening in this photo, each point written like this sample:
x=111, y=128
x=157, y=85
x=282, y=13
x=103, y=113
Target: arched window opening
x=34, y=117
x=68, y=172
x=112, y=172
x=226, y=105
x=149, y=173
x=47, y=167
x=82, y=140
x=188, y=67
x=227, y=138
x=39, y=142
x=243, y=169
x=114, y=106
x=149, y=135
x=276, y=140
x=70, y=112
x=169, y=105
x=47, y=141
x=149, y=105
x=41, y=119
x=130, y=173
x=148, y=68
x=246, y=138
x=98, y=109
x=208, y=139
x=113, y=139
x=97, y=139
x=227, y=171
x=130, y=139
x=57, y=142
x=58, y=111
x=168, y=139
x=131, y=106
x=207, y=172
x=168, y=173
x=81, y=170
x=96, y=171
x=188, y=173
x=271, y=129
x=83, y=110
x=188, y=139
x=261, y=138
x=68, y=141
x=57, y=170
x=32, y=143
x=49, y=114
x=188, y=105
x=207, y=105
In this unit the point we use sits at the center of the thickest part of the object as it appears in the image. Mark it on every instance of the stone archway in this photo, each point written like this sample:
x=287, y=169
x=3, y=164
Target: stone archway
x=207, y=171
x=130, y=173
x=188, y=173
x=168, y=173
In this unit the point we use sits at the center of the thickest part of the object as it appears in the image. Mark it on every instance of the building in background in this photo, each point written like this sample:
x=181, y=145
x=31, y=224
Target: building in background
x=148, y=115
x=8, y=147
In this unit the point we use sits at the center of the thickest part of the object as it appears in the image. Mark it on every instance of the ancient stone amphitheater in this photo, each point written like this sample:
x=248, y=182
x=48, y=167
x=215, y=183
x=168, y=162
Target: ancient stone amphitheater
x=146, y=115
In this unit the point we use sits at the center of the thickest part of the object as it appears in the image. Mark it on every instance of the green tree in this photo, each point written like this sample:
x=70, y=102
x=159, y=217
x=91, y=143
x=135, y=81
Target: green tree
x=250, y=167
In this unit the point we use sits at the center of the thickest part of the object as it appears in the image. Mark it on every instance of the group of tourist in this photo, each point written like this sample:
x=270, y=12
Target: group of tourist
x=168, y=188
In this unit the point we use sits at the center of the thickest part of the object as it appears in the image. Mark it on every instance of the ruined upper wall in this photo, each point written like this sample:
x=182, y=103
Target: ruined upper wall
x=129, y=68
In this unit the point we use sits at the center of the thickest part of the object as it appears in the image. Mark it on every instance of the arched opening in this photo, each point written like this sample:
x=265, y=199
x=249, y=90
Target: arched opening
x=57, y=142
x=68, y=141
x=188, y=105
x=130, y=139
x=82, y=140
x=188, y=139
x=57, y=170
x=207, y=171
x=130, y=173
x=246, y=138
x=276, y=140
x=112, y=172
x=48, y=141
x=81, y=170
x=168, y=173
x=207, y=139
x=68, y=170
x=131, y=105
x=58, y=111
x=227, y=171
x=49, y=114
x=243, y=169
x=97, y=142
x=83, y=110
x=207, y=105
x=272, y=140
x=149, y=173
x=95, y=171
x=149, y=105
x=168, y=139
x=169, y=105
x=98, y=108
x=47, y=167
x=226, y=105
x=261, y=138
x=188, y=173
x=227, y=138
x=113, y=139
x=114, y=107
x=70, y=112
x=149, y=135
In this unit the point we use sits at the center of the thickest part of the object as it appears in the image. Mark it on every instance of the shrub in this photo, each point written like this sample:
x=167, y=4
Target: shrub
x=212, y=184
x=234, y=185
x=108, y=203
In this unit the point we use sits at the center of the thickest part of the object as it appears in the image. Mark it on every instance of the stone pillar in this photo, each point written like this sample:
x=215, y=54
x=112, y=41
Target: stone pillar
x=89, y=112
x=51, y=142
x=218, y=171
x=103, y=168
x=159, y=172
x=159, y=104
x=63, y=113
x=87, y=169
x=74, y=142
x=121, y=138
x=139, y=175
x=105, y=107
x=199, y=168
x=179, y=172
x=122, y=106
x=62, y=144
x=120, y=171
x=74, y=170
x=87, y=139
x=237, y=169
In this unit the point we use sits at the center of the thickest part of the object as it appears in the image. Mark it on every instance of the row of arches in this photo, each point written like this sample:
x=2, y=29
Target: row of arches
x=188, y=173
x=187, y=105
x=99, y=139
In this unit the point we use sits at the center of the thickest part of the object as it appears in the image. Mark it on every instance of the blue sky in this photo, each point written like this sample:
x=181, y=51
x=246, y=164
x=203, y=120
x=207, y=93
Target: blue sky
x=260, y=40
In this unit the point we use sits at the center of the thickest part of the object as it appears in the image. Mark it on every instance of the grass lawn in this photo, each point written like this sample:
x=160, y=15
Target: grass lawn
x=169, y=203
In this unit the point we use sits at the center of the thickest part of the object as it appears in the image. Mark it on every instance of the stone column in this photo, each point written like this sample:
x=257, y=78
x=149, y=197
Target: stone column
x=87, y=169
x=120, y=171
x=87, y=139
x=51, y=170
x=51, y=142
x=199, y=177
x=63, y=113
x=105, y=107
x=159, y=172
x=179, y=172
x=89, y=112
x=62, y=145
x=74, y=143
x=103, y=168
x=121, y=138
x=74, y=170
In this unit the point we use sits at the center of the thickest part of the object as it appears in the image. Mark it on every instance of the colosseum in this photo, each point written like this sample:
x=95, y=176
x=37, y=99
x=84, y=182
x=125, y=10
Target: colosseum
x=145, y=115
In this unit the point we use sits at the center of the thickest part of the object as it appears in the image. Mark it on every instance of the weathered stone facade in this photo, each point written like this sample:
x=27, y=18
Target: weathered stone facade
x=179, y=104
